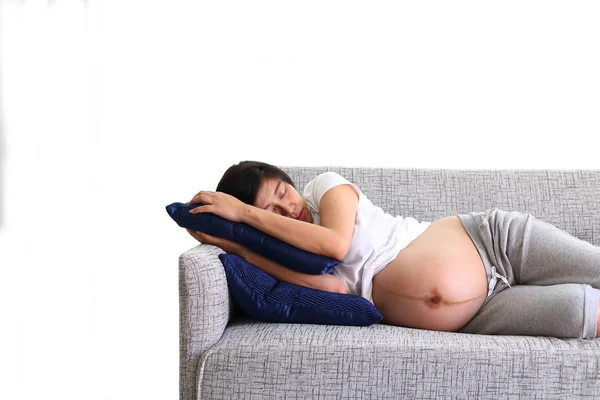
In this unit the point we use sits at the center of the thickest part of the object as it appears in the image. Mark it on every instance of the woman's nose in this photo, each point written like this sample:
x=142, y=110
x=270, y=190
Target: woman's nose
x=289, y=210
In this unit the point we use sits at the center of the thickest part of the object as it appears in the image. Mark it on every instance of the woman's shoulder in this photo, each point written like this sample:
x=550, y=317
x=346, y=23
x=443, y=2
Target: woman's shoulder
x=329, y=176
x=326, y=180
x=316, y=188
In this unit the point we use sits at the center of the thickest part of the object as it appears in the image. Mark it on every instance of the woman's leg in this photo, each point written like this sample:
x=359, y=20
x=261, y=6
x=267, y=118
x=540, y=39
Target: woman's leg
x=551, y=256
x=553, y=276
x=556, y=310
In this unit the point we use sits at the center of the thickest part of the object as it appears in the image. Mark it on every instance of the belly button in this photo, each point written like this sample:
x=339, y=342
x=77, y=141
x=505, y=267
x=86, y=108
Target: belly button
x=434, y=300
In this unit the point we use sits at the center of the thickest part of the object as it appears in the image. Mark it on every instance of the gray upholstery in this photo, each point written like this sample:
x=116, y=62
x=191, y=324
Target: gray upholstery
x=228, y=356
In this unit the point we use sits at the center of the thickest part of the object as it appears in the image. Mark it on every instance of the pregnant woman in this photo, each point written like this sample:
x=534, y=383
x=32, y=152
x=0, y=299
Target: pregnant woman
x=489, y=272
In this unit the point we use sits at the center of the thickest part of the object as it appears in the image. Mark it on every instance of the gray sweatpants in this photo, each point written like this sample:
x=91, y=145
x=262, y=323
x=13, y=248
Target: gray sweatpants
x=542, y=280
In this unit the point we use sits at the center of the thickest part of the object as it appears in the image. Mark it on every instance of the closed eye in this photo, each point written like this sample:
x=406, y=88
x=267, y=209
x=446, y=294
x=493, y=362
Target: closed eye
x=282, y=196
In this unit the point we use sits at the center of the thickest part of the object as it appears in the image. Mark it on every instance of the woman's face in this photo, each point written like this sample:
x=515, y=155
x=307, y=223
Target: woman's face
x=281, y=198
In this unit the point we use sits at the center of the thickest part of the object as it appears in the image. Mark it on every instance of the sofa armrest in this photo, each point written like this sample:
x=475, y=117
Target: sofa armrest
x=205, y=308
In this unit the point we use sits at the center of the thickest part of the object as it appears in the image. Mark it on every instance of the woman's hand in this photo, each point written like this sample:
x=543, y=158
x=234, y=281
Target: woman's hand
x=227, y=245
x=331, y=283
x=222, y=204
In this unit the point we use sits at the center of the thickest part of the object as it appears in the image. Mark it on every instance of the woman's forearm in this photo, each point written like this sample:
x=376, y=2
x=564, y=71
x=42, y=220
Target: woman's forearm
x=285, y=274
x=310, y=237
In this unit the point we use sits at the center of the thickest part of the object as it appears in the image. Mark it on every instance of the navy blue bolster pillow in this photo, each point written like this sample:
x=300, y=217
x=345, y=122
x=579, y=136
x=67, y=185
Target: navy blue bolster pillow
x=250, y=237
x=263, y=297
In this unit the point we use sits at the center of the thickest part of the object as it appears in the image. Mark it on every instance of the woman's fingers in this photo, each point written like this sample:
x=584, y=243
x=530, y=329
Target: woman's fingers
x=206, y=238
x=210, y=239
x=199, y=209
x=199, y=236
x=202, y=196
x=195, y=199
x=193, y=234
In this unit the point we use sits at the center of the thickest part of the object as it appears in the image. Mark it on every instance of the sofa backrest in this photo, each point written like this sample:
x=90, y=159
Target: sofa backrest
x=567, y=199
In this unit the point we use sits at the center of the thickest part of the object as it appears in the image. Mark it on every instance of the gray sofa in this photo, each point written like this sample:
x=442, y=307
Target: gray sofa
x=225, y=355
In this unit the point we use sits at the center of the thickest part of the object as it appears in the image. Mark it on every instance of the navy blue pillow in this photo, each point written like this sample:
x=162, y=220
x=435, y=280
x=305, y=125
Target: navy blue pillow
x=265, y=298
x=250, y=237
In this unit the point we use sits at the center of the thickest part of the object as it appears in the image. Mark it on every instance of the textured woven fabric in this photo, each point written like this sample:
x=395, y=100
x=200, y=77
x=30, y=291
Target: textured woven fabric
x=266, y=299
x=205, y=307
x=248, y=359
x=569, y=199
x=294, y=361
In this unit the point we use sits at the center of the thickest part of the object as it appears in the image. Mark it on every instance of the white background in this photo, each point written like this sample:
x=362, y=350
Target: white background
x=110, y=111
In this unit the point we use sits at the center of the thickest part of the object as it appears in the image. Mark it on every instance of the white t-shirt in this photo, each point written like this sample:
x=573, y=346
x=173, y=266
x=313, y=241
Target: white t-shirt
x=377, y=239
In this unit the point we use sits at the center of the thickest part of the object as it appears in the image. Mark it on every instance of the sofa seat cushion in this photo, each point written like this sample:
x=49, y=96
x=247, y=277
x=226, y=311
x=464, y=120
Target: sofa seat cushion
x=302, y=361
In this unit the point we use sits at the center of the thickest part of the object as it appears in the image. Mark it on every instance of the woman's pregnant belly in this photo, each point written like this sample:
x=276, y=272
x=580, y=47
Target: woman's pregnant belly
x=437, y=282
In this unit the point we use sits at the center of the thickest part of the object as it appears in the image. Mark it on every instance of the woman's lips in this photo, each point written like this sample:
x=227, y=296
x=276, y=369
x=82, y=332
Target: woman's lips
x=301, y=216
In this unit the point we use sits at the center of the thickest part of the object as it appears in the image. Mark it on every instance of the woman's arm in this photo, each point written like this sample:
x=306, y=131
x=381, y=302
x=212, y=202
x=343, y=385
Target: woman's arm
x=338, y=208
x=326, y=282
x=332, y=238
x=306, y=236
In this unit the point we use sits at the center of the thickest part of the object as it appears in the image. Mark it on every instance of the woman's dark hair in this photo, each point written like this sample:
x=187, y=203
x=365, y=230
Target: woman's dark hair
x=243, y=180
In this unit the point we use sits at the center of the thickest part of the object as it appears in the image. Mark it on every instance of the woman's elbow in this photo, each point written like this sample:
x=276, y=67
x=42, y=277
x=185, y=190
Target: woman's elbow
x=342, y=250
